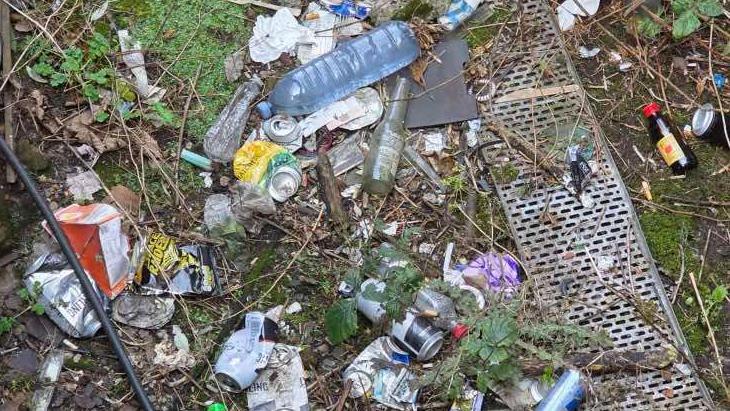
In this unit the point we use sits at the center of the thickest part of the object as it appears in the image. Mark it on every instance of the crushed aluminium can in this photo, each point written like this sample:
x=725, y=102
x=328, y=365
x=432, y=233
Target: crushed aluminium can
x=61, y=295
x=281, y=385
x=381, y=354
x=246, y=352
x=284, y=130
x=418, y=336
x=268, y=165
x=166, y=267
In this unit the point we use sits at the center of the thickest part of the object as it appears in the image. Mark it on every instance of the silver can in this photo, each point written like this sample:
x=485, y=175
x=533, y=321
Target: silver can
x=284, y=183
x=418, y=335
x=284, y=130
x=372, y=310
x=363, y=370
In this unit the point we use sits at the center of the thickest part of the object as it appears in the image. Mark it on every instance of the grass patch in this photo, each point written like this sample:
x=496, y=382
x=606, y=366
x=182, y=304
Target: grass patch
x=159, y=192
x=664, y=233
x=182, y=35
x=482, y=32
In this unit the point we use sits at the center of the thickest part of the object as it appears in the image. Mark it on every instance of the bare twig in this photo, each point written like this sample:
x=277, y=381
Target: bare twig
x=710, y=332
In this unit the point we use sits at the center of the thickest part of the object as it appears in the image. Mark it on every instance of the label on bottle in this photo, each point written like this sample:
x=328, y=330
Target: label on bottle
x=669, y=149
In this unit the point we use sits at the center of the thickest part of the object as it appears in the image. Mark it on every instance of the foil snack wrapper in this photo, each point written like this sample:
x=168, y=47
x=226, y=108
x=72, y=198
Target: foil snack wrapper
x=61, y=295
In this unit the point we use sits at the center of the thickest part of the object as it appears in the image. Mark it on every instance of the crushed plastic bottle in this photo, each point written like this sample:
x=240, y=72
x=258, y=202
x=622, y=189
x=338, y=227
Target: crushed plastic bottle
x=224, y=136
x=353, y=64
x=429, y=300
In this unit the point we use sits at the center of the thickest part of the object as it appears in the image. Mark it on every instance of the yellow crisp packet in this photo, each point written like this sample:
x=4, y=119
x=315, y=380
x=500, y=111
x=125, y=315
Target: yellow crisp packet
x=251, y=162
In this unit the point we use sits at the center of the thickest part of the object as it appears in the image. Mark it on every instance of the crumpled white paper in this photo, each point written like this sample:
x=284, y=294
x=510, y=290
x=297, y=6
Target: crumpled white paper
x=277, y=34
x=568, y=9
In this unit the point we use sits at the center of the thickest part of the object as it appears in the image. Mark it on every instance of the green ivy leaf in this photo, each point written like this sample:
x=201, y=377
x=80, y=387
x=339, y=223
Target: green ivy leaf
x=91, y=92
x=98, y=46
x=680, y=6
x=719, y=294
x=341, y=320
x=58, y=79
x=499, y=331
x=44, y=69
x=685, y=25
x=648, y=27
x=99, y=77
x=38, y=309
x=72, y=58
x=101, y=117
x=709, y=8
x=6, y=324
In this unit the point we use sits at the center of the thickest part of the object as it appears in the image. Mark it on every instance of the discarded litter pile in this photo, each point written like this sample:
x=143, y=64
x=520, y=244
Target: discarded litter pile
x=368, y=117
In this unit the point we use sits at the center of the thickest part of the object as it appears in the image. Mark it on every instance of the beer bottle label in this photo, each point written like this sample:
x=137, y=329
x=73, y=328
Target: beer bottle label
x=669, y=149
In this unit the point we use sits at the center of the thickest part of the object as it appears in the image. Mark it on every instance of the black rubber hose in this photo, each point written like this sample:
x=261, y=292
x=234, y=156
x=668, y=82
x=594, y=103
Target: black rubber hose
x=89, y=292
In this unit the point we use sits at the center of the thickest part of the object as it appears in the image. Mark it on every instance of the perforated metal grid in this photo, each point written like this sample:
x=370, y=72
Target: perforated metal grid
x=557, y=237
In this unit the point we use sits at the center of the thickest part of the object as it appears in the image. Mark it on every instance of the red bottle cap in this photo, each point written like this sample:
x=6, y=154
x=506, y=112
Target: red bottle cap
x=651, y=109
x=459, y=331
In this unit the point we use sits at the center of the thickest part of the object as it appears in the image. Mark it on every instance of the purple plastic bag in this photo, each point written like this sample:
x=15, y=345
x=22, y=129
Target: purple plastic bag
x=494, y=272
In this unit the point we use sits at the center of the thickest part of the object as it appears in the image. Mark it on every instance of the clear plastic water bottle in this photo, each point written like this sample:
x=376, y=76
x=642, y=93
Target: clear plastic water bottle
x=386, y=144
x=353, y=64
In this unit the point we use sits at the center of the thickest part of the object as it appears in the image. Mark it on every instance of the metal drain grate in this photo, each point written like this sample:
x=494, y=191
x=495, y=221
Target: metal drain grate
x=558, y=251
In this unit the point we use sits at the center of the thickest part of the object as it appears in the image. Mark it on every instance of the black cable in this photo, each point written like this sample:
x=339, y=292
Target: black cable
x=86, y=286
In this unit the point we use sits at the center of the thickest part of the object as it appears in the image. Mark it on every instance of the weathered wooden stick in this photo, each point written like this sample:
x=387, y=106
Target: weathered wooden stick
x=610, y=361
x=6, y=41
x=330, y=193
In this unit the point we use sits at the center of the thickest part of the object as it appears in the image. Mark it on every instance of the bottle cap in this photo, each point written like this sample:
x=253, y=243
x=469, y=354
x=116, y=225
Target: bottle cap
x=702, y=119
x=264, y=108
x=459, y=331
x=217, y=406
x=651, y=109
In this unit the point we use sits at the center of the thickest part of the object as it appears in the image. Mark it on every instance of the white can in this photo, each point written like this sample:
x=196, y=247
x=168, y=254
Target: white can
x=284, y=183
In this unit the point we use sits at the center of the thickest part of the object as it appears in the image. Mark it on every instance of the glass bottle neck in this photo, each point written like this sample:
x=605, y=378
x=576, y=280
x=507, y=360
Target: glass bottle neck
x=396, y=111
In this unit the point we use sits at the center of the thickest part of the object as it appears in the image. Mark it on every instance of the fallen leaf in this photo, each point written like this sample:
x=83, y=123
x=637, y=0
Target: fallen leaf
x=79, y=127
x=125, y=198
x=418, y=68
x=23, y=26
x=145, y=141
x=100, y=11
x=233, y=65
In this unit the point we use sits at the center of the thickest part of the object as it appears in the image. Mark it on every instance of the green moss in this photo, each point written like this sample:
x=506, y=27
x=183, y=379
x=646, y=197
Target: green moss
x=505, y=174
x=83, y=363
x=414, y=8
x=664, y=233
x=482, y=32
x=186, y=34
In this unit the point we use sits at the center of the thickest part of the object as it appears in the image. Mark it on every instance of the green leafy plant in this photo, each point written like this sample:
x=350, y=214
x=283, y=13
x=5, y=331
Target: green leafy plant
x=30, y=297
x=498, y=342
x=402, y=279
x=647, y=27
x=341, y=320
x=687, y=15
x=163, y=114
x=101, y=117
